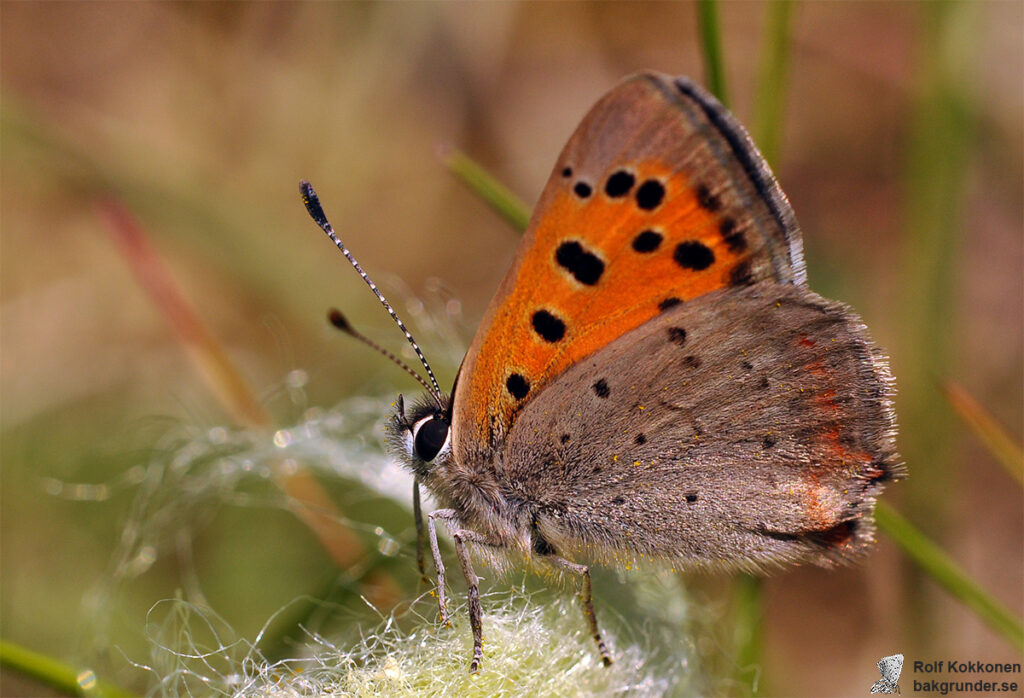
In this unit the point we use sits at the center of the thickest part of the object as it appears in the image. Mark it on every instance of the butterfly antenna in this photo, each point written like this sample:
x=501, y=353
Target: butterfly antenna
x=316, y=211
x=335, y=317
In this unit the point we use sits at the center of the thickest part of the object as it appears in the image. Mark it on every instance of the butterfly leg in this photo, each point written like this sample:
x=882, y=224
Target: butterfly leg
x=417, y=512
x=586, y=600
x=461, y=536
x=442, y=601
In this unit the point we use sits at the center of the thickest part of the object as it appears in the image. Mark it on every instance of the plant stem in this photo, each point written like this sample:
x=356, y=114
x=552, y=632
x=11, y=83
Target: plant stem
x=206, y=353
x=936, y=179
x=311, y=502
x=747, y=631
x=494, y=193
x=55, y=673
x=711, y=43
x=937, y=565
x=991, y=433
x=771, y=81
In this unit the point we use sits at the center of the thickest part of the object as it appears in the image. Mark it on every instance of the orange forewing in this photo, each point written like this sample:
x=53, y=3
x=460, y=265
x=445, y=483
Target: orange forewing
x=715, y=220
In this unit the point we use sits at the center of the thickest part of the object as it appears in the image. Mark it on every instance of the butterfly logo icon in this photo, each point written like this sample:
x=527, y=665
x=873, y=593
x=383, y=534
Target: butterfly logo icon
x=891, y=668
x=653, y=380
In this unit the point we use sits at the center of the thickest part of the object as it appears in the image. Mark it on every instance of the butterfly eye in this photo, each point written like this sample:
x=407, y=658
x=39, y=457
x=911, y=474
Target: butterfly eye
x=430, y=435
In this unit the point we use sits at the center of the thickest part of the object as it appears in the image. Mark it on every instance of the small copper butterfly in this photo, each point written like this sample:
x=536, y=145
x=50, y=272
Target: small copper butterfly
x=653, y=379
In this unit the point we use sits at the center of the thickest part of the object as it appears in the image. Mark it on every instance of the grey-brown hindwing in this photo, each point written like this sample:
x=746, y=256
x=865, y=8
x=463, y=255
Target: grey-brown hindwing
x=746, y=427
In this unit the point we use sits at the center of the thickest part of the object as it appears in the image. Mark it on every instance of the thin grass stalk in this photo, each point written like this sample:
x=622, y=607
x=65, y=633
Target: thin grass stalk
x=102, y=175
x=311, y=503
x=936, y=184
x=989, y=432
x=206, y=353
x=500, y=198
x=941, y=569
x=770, y=93
x=711, y=46
x=748, y=630
x=148, y=186
x=494, y=193
x=55, y=673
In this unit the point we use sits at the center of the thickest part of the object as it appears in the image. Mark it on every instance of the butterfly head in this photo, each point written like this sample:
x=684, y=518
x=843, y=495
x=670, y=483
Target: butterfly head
x=422, y=437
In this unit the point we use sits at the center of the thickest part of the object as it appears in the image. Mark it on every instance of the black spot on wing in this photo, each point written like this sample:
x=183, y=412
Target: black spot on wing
x=601, y=388
x=548, y=326
x=677, y=335
x=740, y=275
x=706, y=200
x=835, y=536
x=669, y=302
x=649, y=195
x=517, y=386
x=647, y=241
x=734, y=239
x=585, y=266
x=693, y=255
x=881, y=472
x=582, y=190
x=619, y=184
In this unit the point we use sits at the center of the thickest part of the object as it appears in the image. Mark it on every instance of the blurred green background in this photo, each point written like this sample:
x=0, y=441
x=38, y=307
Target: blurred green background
x=901, y=152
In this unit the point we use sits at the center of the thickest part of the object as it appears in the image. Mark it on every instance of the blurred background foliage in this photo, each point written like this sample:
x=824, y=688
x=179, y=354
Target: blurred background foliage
x=901, y=151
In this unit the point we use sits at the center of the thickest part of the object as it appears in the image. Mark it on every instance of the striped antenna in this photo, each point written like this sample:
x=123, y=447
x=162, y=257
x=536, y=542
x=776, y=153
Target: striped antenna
x=316, y=211
x=335, y=317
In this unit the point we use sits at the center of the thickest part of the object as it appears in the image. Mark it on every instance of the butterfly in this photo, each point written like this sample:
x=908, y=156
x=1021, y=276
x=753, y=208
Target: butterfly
x=653, y=379
x=891, y=667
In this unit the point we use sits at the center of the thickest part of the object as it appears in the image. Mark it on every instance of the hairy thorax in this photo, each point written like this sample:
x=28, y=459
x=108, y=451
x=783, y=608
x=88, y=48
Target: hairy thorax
x=485, y=504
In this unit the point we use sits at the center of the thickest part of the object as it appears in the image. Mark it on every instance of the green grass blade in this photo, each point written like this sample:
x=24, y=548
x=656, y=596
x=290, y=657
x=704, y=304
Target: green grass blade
x=937, y=565
x=711, y=45
x=494, y=193
x=771, y=81
x=988, y=431
x=56, y=674
x=938, y=154
x=747, y=630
